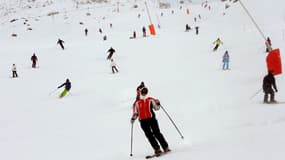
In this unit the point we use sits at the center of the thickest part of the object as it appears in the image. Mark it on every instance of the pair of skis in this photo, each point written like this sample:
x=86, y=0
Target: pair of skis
x=156, y=155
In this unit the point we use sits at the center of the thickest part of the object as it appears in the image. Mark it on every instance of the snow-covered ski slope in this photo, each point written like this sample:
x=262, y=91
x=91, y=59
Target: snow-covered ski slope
x=212, y=108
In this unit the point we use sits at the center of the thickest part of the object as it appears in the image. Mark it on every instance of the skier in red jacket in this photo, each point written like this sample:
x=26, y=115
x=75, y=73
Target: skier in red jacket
x=143, y=109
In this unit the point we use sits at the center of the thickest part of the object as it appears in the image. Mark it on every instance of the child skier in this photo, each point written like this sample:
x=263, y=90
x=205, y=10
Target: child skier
x=143, y=109
x=114, y=67
x=226, y=60
x=14, y=71
x=218, y=42
x=67, y=87
x=34, y=59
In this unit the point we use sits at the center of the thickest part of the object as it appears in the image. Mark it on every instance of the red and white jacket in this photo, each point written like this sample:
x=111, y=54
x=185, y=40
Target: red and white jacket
x=143, y=108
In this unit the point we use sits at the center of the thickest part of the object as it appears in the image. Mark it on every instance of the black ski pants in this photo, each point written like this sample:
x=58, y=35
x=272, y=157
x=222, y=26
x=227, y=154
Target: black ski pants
x=216, y=47
x=269, y=91
x=14, y=74
x=114, y=69
x=152, y=133
x=34, y=64
x=62, y=46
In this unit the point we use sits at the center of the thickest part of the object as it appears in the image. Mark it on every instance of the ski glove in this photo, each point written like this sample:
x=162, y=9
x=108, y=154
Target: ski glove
x=157, y=102
x=132, y=120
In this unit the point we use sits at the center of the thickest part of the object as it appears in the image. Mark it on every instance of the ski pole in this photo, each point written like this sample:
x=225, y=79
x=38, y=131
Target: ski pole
x=53, y=91
x=172, y=122
x=131, y=154
x=255, y=94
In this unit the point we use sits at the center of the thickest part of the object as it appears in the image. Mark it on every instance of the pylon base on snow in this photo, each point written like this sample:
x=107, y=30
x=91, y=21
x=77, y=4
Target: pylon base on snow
x=152, y=29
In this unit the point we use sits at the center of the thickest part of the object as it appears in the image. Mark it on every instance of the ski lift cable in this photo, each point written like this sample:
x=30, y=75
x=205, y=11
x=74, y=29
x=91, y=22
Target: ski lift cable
x=252, y=19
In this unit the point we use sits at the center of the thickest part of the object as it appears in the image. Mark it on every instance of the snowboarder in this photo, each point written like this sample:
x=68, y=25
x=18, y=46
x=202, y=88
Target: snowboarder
x=14, y=71
x=197, y=30
x=188, y=28
x=143, y=109
x=34, y=59
x=114, y=67
x=218, y=42
x=67, y=87
x=226, y=60
x=268, y=44
x=144, y=31
x=60, y=42
x=268, y=83
x=86, y=31
x=111, y=51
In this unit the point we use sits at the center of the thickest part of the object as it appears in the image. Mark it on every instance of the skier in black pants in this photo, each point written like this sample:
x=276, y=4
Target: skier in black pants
x=14, y=71
x=60, y=42
x=144, y=110
x=144, y=31
x=197, y=30
x=34, y=59
x=86, y=31
x=111, y=51
x=268, y=83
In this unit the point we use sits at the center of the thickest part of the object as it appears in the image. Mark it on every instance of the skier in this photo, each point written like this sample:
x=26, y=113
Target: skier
x=144, y=31
x=268, y=44
x=114, y=66
x=199, y=16
x=134, y=35
x=268, y=83
x=100, y=30
x=197, y=30
x=60, y=42
x=67, y=87
x=143, y=110
x=86, y=31
x=226, y=59
x=111, y=51
x=14, y=71
x=218, y=42
x=188, y=28
x=104, y=37
x=34, y=59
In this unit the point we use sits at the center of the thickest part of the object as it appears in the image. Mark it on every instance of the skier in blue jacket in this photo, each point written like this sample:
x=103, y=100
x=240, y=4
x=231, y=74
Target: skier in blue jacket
x=226, y=60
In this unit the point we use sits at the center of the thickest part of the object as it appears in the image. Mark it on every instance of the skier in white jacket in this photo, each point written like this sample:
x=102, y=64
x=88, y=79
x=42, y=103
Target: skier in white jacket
x=14, y=71
x=114, y=67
